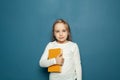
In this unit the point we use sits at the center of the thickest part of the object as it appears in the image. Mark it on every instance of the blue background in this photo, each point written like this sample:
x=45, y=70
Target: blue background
x=25, y=30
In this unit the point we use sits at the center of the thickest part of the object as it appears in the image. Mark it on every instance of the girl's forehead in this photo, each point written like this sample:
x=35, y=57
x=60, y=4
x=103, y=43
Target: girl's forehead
x=60, y=25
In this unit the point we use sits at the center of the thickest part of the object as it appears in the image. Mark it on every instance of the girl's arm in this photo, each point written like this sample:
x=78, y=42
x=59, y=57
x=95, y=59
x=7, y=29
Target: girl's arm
x=44, y=61
x=77, y=63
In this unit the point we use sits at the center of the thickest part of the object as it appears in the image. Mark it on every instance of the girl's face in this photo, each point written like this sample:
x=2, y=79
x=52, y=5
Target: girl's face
x=60, y=32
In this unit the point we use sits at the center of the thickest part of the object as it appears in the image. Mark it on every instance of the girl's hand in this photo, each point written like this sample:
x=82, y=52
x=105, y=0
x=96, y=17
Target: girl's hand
x=60, y=59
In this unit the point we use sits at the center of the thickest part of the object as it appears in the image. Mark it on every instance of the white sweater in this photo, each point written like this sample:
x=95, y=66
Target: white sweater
x=71, y=67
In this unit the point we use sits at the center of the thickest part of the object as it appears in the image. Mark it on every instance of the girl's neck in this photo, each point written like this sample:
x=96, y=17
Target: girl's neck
x=62, y=42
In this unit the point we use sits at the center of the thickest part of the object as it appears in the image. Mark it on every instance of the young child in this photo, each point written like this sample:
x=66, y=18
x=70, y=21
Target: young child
x=69, y=59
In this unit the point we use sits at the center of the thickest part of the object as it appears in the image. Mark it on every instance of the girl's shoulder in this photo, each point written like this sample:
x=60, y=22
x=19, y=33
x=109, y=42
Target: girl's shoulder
x=73, y=43
x=50, y=44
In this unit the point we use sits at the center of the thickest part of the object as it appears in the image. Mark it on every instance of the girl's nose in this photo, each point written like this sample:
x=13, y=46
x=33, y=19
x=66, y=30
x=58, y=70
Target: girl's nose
x=61, y=33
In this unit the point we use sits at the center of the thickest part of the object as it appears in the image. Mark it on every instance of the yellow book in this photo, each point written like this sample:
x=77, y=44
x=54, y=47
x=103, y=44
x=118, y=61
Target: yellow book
x=52, y=54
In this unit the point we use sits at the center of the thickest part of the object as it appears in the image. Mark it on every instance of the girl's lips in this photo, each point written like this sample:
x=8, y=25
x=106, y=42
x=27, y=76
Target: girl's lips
x=61, y=37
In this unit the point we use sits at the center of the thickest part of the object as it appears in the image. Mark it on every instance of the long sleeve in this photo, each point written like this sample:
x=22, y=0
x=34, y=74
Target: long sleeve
x=77, y=61
x=44, y=61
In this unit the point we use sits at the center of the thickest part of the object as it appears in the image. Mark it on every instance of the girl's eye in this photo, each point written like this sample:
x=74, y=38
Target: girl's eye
x=64, y=30
x=57, y=31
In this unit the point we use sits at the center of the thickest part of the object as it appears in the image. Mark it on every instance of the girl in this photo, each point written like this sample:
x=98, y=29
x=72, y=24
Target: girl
x=69, y=59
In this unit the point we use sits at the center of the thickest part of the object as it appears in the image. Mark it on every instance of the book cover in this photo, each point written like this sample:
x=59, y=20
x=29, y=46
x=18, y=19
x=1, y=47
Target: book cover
x=52, y=54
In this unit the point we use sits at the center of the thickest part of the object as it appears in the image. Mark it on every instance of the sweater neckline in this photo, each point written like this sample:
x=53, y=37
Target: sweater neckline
x=62, y=43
